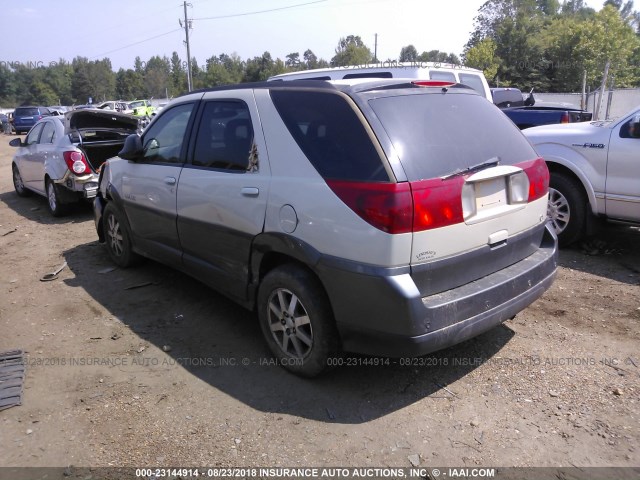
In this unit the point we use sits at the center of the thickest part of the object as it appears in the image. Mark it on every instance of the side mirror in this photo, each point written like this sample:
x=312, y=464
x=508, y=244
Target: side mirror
x=132, y=149
x=16, y=142
x=530, y=101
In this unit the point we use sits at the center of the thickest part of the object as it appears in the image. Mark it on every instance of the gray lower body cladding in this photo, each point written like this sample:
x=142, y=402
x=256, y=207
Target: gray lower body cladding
x=386, y=314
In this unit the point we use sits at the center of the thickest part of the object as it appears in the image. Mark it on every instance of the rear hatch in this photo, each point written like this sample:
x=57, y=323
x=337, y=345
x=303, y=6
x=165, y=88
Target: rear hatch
x=100, y=134
x=478, y=187
x=26, y=115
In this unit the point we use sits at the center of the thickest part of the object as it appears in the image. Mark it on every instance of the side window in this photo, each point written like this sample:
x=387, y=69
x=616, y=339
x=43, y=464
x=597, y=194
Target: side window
x=631, y=129
x=444, y=76
x=48, y=133
x=473, y=81
x=163, y=141
x=330, y=134
x=225, y=137
x=34, y=134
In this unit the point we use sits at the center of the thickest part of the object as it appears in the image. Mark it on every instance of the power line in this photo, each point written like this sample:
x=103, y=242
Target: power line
x=260, y=11
x=138, y=43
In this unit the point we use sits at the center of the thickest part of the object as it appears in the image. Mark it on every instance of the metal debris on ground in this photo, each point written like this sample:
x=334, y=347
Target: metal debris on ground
x=53, y=275
x=140, y=285
x=12, y=372
x=106, y=270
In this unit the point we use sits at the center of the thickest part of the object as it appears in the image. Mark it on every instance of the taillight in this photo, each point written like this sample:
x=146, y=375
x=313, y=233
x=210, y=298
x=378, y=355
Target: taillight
x=76, y=162
x=538, y=174
x=433, y=83
x=433, y=203
x=386, y=206
x=437, y=203
x=564, y=118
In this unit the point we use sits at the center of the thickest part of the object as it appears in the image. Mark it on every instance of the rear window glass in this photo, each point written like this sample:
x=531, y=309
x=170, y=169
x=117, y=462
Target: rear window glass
x=435, y=134
x=507, y=98
x=330, y=134
x=26, y=112
x=444, y=76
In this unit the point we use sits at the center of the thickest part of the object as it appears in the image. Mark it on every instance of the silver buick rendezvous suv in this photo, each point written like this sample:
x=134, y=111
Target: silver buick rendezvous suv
x=387, y=217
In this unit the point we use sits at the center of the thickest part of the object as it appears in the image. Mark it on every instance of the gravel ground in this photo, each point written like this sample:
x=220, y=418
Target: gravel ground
x=171, y=373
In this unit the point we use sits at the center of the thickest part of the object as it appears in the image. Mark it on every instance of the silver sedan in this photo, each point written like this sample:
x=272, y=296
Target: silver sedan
x=61, y=156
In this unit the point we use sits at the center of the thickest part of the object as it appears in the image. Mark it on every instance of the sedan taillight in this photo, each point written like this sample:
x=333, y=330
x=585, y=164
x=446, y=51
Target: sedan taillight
x=77, y=163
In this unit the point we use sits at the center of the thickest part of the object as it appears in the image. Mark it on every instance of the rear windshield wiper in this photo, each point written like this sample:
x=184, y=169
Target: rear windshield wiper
x=475, y=168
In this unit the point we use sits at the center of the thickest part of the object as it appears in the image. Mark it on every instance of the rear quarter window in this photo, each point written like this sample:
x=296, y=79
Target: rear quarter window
x=330, y=134
x=436, y=134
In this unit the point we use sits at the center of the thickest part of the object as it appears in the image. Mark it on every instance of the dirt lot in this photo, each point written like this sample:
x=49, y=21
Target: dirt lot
x=171, y=373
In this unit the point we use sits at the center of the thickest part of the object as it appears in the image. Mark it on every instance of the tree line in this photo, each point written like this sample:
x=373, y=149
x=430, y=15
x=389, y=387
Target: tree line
x=539, y=44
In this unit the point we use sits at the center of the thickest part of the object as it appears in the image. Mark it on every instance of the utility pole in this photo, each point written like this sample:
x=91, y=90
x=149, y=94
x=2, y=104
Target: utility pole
x=375, y=48
x=187, y=25
x=602, y=87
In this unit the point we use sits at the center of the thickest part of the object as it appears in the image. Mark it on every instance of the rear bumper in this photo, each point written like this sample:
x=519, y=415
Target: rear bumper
x=86, y=186
x=385, y=315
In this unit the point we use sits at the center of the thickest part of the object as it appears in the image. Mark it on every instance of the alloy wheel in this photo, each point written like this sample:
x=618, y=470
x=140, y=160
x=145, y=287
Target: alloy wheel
x=558, y=210
x=115, y=235
x=289, y=323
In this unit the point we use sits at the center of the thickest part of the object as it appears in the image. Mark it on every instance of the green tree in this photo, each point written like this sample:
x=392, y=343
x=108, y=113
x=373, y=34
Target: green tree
x=408, y=54
x=293, y=61
x=607, y=37
x=81, y=86
x=220, y=71
x=351, y=51
x=58, y=78
x=483, y=57
x=513, y=25
x=438, y=56
x=42, y=94
x=178, y=76
x=102, y=79
x=7, y=86
x=261, y=68
x=197, y=75
x=157, y=76
x=130, y=85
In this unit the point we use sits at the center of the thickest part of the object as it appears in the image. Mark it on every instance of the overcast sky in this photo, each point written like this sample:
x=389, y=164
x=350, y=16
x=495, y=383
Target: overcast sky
x=43, y=31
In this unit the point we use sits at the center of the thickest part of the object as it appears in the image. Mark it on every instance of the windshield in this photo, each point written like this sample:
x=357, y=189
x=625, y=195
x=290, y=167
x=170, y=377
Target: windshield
x=139, y=103
x=436, y=134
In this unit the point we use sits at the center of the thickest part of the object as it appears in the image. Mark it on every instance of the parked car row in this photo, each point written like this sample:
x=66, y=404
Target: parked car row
x=23, y=118
x=381, y=216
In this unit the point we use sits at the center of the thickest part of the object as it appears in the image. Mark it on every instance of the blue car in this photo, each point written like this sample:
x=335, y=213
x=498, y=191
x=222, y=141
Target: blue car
x=26, y=117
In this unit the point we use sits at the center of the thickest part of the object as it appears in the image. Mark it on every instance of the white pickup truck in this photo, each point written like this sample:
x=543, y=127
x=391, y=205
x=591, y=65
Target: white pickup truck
x=595, y=168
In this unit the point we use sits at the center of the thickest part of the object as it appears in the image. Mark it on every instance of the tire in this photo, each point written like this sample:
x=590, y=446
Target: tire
x=118, y=237
x=18, y=184
x=56, y=207
x=567, y=208
x=302, y=335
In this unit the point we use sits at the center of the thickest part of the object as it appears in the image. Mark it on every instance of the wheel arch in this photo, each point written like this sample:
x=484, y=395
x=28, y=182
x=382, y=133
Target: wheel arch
x=271, y=250
x=575, y=174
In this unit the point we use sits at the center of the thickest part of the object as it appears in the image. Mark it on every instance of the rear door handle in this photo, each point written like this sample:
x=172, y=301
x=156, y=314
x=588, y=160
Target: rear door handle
x=169, y=180
x=250, y=191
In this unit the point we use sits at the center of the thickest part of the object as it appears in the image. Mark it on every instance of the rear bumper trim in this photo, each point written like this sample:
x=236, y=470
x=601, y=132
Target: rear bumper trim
x=387, y=316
